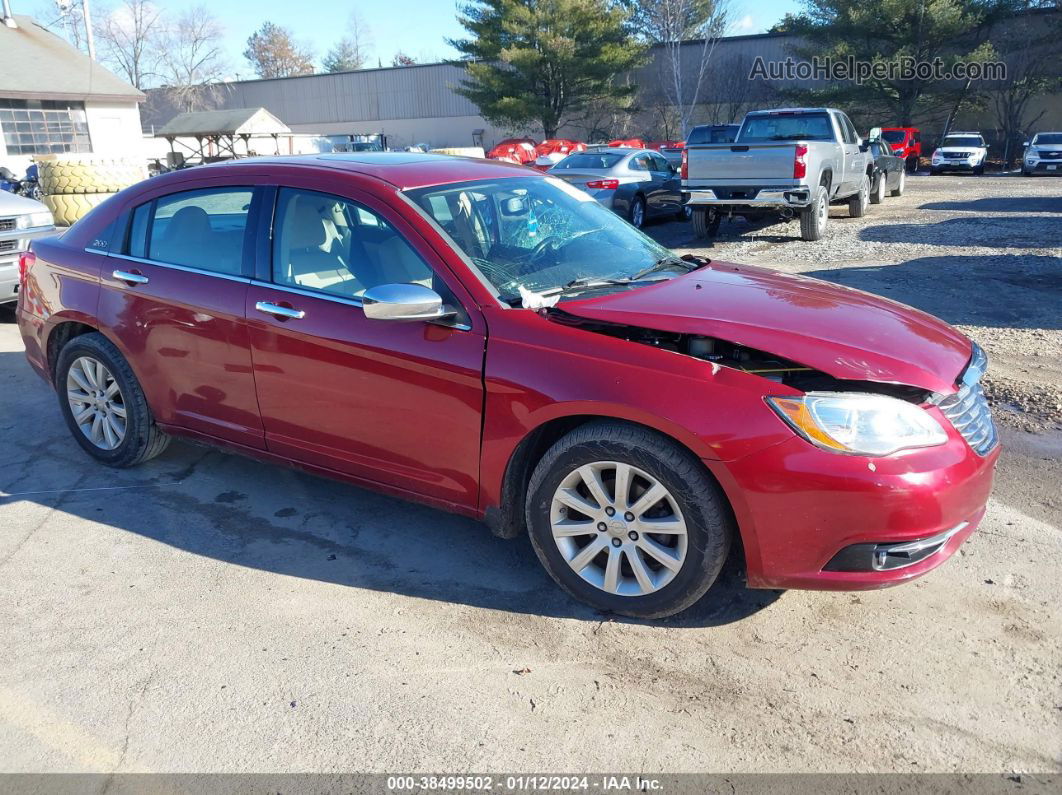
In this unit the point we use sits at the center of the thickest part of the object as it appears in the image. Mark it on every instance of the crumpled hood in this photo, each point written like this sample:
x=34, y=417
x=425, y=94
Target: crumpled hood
x=843, y=332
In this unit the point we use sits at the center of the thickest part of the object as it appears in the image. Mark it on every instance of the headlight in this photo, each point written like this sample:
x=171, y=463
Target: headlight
x=859, y=424
x=30, y=220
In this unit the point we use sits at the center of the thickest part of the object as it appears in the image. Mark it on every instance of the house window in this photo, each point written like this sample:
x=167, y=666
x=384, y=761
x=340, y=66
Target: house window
x=44, y=126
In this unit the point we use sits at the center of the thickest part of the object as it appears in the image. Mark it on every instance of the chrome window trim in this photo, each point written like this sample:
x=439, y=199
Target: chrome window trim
x=184, y=268
x=337, y=299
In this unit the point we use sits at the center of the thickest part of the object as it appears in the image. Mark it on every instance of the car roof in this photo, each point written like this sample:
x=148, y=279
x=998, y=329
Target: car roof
x=403, y=170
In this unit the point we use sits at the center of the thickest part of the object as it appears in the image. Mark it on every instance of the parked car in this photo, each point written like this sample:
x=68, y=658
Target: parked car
x=671, y=150
x=906, y=142
x=1043, y=155
x=713, y=134
x=515, y=150
x=792, y=161
x=628, y=143
x=960, y=151
x=559, y=146
x=890, y=171
x=21, y=220
x=636, y=413
x=637, y=184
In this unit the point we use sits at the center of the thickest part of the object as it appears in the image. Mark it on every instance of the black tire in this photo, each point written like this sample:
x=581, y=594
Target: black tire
x=979, y=171
x=857, y=203
x=911, y=164
x=705, y=222
x=633, y=214
x=934, y=172
x=1025, y=173
x=710, y=524
x=898, y=190
x=143, y=439
x=877, y=194
x=813, y=219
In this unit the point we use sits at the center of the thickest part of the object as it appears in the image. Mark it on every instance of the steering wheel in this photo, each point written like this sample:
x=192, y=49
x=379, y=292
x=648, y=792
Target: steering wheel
x=551, y=242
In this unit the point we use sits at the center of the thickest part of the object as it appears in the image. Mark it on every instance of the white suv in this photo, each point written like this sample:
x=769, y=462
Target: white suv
x=960, y=151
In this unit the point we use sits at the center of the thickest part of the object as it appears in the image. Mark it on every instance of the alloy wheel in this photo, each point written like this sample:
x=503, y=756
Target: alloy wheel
x=618, y=528
x=96, y=402
x=638, y=214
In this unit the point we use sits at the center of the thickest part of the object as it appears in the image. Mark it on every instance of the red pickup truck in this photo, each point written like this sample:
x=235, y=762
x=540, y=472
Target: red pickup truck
x=906, y=142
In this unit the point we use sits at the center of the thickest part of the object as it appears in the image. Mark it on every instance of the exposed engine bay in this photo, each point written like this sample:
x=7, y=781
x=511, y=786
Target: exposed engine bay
x=738, y=357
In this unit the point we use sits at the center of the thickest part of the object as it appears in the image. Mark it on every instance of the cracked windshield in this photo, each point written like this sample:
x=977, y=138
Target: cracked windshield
x=545, y=237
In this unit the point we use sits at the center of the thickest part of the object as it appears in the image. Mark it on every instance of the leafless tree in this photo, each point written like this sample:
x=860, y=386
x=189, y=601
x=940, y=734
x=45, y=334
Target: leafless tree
x=352, y=51
x=683, y=67
x=65, y=17
x=192, y=60
x=130, y=39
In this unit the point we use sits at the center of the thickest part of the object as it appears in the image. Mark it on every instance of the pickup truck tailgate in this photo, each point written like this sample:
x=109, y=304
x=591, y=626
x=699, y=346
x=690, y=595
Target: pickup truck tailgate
x=738, y=162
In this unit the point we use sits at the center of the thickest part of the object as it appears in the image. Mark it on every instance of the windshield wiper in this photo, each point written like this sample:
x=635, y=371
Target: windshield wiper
x=663, y=264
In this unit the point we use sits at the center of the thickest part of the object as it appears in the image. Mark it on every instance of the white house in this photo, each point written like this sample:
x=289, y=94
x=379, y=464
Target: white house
x=54, y=99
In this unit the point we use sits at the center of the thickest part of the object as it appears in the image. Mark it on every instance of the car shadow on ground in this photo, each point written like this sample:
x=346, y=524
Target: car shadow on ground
x=1001, y=204
x=988, y=232
x=251, y=514
x=1025, y=290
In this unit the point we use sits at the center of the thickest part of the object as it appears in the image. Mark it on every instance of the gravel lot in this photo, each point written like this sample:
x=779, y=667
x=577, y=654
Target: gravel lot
x=209, y=613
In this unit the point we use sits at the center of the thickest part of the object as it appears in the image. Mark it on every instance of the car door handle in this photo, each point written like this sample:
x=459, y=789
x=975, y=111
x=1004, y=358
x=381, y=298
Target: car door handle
x=130, y=278
x=285, y=312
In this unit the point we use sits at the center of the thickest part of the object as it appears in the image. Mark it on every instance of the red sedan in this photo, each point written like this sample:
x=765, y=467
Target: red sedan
x=493, y=342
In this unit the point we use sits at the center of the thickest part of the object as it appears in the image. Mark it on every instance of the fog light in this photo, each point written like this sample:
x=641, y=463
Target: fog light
x=890, y=556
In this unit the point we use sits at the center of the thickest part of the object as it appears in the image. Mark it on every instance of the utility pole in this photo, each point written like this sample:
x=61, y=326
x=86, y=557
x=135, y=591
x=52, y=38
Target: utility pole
x=88, y=29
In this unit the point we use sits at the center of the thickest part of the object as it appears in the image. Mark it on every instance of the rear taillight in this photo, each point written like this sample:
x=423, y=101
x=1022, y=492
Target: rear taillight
x=800, y=163
x=603, y=184
x=684, y=172
x=26, y=260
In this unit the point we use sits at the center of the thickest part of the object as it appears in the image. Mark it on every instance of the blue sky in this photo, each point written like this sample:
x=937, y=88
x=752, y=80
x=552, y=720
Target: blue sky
x=417, y=27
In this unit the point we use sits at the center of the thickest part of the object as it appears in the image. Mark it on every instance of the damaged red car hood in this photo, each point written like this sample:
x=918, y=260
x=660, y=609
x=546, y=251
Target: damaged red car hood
x=843, y=332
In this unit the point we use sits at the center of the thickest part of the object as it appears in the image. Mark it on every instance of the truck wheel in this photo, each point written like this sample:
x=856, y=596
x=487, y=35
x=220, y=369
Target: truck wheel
x=979, y=170
x=857, y=204
x=627, y=521
x=705, y=222
x=877, y=196
x=813, y=218
x=911, y=164
x=103, y=404
x=898, y=190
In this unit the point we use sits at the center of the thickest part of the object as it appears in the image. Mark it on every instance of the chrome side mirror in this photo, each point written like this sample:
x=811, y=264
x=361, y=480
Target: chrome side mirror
x=403, y=302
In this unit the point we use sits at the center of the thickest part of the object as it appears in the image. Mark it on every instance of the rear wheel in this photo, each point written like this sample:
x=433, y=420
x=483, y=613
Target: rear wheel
x=705, y=222
x=877, y=195
x=911, y=164
x=857, y=204
x=636, y=213
x=626, y=520
x=898, y=190
x=813, y=218
x=103, y=404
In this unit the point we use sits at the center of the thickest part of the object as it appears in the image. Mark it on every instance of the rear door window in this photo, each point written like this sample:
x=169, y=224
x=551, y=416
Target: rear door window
x=202, y=229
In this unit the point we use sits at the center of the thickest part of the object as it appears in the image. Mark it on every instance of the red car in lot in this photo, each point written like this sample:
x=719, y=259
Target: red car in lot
x=906, y=142
x=493, y=342
x=515, y=150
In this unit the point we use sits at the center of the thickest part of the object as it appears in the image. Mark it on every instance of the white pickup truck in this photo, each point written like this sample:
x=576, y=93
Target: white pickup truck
x=785, y=162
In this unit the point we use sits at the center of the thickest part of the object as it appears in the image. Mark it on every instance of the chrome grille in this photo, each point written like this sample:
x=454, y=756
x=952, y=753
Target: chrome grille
x=968, y=408
x=8, y=245
x=7, y=224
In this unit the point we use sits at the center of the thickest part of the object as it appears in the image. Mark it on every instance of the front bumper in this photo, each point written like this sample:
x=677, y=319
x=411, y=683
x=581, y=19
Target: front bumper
x=776, y=197
x=1053, y=167
x=800, y=508
x=955, y=165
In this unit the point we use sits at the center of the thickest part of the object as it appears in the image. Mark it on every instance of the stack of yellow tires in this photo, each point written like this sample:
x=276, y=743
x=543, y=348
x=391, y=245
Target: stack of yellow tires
x=74, y=184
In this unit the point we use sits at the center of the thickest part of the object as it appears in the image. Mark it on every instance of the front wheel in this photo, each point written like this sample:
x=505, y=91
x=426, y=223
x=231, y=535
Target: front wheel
x=857, y=204
x=628, y=521
x=103, y=404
